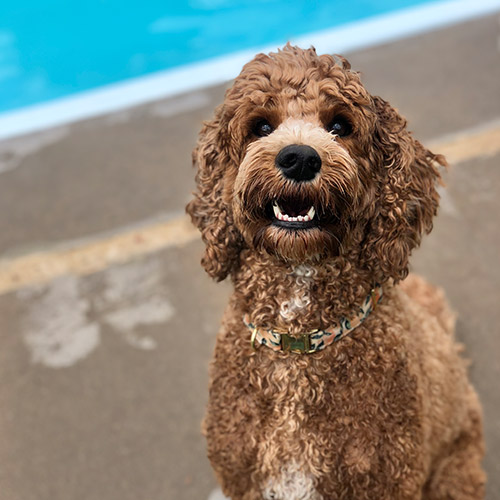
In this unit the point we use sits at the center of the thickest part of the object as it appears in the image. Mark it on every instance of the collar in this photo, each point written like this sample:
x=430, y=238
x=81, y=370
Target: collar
x=315, y=340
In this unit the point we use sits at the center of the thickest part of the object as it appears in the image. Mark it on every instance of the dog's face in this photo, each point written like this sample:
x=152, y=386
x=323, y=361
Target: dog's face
x=302, y=163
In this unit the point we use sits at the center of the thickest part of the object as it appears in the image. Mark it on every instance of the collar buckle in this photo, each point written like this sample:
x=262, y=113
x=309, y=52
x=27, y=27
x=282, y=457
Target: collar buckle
x=300, y=344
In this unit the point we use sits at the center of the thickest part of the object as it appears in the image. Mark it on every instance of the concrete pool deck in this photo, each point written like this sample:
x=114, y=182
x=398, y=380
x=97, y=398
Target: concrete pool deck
x=100, y=276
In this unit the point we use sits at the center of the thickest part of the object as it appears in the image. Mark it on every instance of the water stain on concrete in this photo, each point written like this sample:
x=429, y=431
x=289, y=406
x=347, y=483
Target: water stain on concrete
x=58, y=329
x=136, y=288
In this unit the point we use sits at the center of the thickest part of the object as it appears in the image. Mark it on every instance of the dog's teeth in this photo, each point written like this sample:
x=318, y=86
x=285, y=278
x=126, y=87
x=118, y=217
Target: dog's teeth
x=276, y=210
x=279, y=214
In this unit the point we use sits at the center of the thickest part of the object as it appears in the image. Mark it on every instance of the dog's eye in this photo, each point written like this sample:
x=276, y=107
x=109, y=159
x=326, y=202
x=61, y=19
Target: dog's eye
x=339, y=126
x=262, y=128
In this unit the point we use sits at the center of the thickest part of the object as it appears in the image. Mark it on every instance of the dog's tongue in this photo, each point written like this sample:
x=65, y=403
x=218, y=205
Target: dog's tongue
x=294, y=209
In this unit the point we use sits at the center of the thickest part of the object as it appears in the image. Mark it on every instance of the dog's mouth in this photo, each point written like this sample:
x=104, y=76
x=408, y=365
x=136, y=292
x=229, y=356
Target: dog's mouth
x=291, y=213
x=298, y=226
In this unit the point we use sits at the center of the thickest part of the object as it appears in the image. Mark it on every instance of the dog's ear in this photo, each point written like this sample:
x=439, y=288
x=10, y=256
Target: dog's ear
x=407, y=197
x=209, y=212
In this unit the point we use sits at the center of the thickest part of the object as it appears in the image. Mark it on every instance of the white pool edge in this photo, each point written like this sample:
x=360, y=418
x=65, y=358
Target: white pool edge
x=349, y=37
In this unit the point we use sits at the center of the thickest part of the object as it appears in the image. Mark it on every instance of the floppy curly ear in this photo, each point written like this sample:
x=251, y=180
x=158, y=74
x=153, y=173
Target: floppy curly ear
x=407, y=197
x=209, y=212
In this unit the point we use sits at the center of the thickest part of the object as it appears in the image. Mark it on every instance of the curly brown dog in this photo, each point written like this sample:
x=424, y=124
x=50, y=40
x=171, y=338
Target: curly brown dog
x=332, y=377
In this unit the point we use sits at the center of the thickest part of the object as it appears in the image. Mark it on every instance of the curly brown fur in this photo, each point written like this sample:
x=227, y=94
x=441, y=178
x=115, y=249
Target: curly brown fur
x=387, y=412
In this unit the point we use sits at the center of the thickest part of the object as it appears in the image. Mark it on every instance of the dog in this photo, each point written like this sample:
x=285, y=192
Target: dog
x=336, y=374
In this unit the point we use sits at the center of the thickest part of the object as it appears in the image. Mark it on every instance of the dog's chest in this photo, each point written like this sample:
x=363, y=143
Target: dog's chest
x=311, y=427
x=294, y=483
x=332, y=433
x=287, y=462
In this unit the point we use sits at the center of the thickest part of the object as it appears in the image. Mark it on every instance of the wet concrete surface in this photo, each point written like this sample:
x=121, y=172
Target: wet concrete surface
x=104, y=377
x=117, y=417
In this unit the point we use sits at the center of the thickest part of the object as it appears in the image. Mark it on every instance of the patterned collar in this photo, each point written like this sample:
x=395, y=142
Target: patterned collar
x=307, y=343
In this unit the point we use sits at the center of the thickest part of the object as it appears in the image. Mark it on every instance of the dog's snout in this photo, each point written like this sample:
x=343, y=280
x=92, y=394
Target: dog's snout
x=299, y=162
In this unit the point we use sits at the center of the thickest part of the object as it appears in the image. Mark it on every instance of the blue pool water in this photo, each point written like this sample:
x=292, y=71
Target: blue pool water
x=53, y=48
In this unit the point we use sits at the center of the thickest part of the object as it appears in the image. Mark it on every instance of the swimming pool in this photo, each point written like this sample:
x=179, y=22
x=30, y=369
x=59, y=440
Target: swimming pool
x=58, y=50
x=57, y=47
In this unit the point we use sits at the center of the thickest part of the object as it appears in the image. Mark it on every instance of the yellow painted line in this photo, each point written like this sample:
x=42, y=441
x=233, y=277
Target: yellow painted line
x=93, y=256
x=466, y=146
x=42, y=267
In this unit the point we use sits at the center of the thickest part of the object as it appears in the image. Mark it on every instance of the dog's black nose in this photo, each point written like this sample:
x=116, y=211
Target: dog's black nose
x=299, y=162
